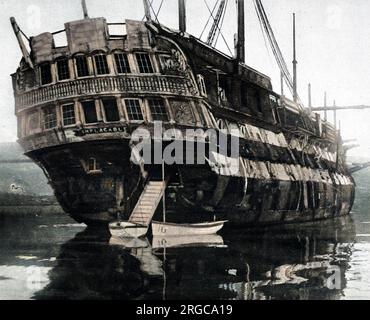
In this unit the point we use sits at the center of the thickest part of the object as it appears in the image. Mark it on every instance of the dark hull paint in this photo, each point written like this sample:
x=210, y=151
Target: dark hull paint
x=195, y=193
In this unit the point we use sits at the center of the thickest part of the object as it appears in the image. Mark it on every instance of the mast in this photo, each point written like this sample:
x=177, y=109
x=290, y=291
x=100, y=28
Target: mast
x=182, y=16
x=18, y=34
x=147, y=10
x=325, y=106
x=84, y=8
x=266, y=26
x=295, y=94
x=240, y=45
x=309, y=98
x=282, y=83
x=164, y=193
x=335, y=114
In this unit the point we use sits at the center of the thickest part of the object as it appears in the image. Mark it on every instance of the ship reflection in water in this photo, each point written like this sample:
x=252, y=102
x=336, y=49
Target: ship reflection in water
x=54, y=260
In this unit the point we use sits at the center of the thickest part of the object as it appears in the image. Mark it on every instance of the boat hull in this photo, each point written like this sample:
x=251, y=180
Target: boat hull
x=195, y=193
x=127, y=230
x=171, y=229
x=292, y=164
x=164, y=242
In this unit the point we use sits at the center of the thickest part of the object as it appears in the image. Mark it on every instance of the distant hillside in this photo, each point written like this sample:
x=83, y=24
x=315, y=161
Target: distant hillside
x=358, y=159
x=21, y=178
x=9, y=200
x=11, y=151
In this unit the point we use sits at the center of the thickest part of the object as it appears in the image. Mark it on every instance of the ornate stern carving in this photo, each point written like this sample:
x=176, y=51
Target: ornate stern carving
x=176, y=64
x=183, y=113
x=173, y=64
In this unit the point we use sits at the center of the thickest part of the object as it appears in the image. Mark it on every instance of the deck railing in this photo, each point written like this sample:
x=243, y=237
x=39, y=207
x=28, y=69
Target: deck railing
x=103, y=85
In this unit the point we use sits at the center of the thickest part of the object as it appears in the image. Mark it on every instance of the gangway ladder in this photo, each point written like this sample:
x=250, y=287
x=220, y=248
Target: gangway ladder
x=149, y=201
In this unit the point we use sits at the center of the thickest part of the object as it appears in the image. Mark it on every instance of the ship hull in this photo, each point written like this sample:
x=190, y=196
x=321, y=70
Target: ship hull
x=196, y=193
x=80, y=106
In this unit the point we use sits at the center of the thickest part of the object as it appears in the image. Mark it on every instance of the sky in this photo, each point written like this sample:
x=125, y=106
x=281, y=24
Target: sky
x=333, y=46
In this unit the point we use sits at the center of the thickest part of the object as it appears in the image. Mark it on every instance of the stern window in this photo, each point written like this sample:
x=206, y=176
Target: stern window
x=101, y=64
x=202, y=85
x=93, y=165
x=158, y=110
x=82, y=66
x=134, y=110
x=69, y=115
x=45, y=73
x=90, y=111
x=144, y=62
x=63, y=69
x=111, y=110
x=49, y=118
x=122, y=63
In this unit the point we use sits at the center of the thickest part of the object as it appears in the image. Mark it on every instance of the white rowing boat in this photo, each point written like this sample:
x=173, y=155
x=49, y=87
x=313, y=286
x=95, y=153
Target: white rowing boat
x=173, y=229
x=212, y=240
x=127, y=230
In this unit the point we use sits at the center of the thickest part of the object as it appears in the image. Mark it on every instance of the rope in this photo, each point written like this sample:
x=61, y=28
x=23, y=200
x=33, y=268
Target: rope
x=160, y=8
x=210, y=17
x=222, y=22
x=264, y=38
x=264, y=21
x=158, y=11
x=155, y=15
x=205, y=1
x=218, y=17
x=276, y=50
x=150, y=5
x=28, y=39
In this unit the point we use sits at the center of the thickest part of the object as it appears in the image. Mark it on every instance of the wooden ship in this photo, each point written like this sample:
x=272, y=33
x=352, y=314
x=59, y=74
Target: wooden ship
x=78, y=105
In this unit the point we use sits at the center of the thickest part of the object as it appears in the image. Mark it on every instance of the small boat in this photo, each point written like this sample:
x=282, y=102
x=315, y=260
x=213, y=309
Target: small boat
x=127, y=230
x=161, y=242
x=173, y=229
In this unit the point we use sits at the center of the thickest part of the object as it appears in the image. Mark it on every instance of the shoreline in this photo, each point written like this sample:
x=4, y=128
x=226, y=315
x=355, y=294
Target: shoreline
x=30, y=210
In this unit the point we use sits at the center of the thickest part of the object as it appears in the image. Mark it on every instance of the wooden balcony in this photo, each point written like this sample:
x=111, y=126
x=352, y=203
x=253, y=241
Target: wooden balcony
x=141, y=84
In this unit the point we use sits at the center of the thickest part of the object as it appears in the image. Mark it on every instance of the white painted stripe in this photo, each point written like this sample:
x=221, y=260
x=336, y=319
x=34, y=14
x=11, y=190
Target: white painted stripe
x=253, y=133
x=273, y=171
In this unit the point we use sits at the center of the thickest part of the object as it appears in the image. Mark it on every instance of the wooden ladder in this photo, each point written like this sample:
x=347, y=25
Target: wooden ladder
x=148, y=203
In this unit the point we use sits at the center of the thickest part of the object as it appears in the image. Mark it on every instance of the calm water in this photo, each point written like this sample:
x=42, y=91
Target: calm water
x=54, y=258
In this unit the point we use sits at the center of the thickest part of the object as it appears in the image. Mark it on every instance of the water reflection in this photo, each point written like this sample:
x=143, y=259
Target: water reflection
x=29, y=248
x=89, y=268
x=309, y=262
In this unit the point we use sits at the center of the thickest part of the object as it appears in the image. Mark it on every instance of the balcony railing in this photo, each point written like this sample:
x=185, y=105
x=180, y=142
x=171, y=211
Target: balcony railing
x=103, y=85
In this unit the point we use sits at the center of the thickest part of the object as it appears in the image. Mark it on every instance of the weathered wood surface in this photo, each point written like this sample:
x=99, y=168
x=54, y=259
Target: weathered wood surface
x=126, y=84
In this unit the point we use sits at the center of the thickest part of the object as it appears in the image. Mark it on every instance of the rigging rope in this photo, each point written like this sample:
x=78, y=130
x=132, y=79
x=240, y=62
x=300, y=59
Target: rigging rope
x=265, y=23
x=231, y=53
x=151, y=6
x=155, y=14
x=160, y=8
x=151, y=2
x=264, y=39
x=222, y=22
x=210, y=17
x=217, y=23
x=24, y=35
